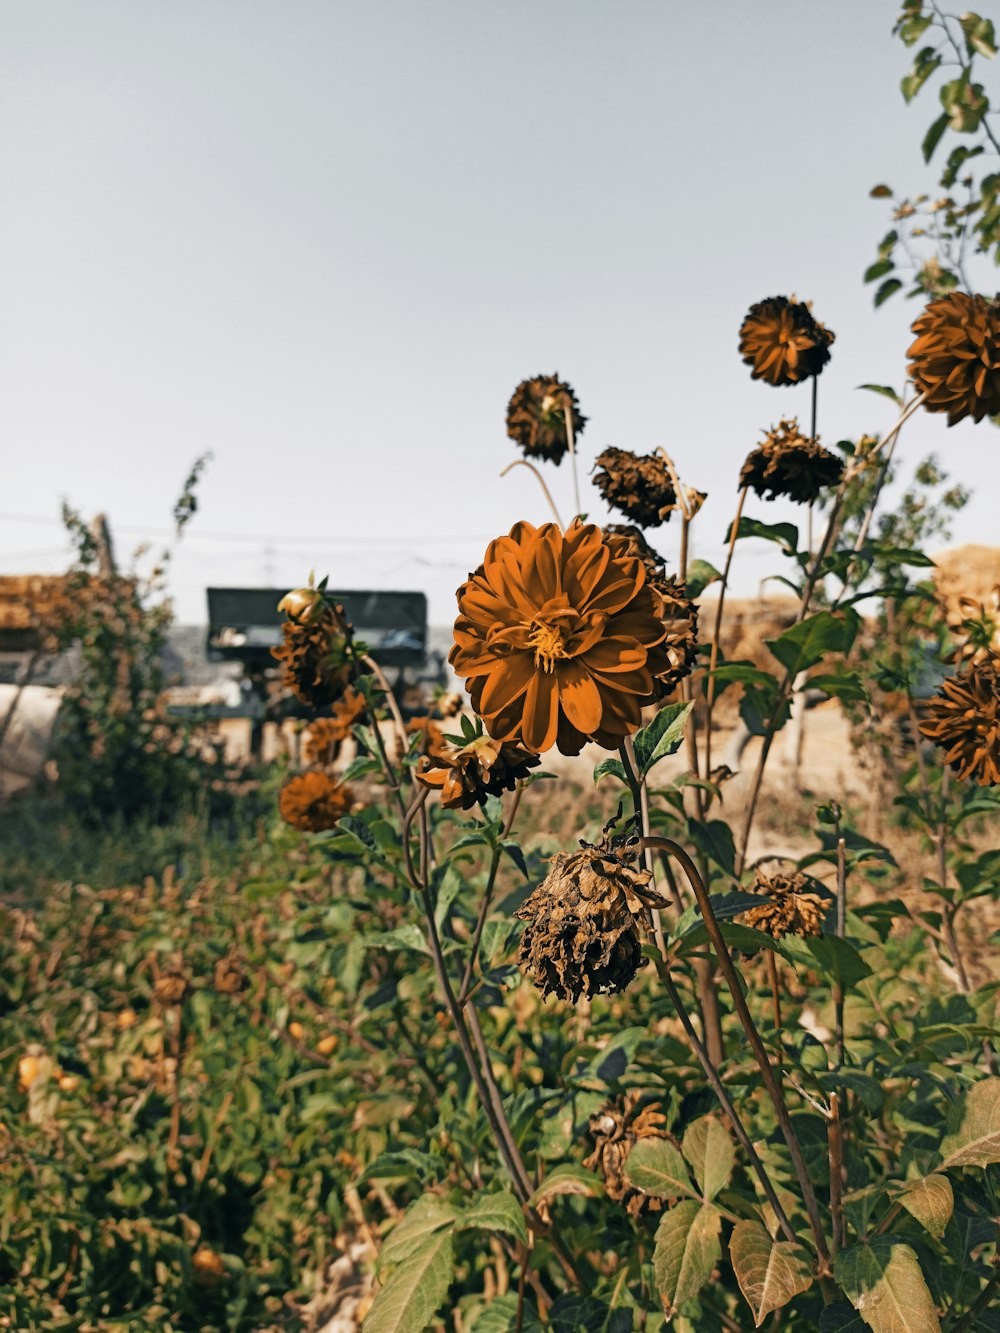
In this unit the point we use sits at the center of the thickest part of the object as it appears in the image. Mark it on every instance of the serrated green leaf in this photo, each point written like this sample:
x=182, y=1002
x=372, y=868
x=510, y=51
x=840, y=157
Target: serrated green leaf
x=495, y=1210
x=656, y=1167
x=687, y=1249
x=805, y=644
x=770, y=1272
x=662, y=737
x=500, y=1316
x=708, y=1146
x=974, y=1128
x=883, y=1281
x=931, y=1201
x=422, y=1219
x=416, y=1289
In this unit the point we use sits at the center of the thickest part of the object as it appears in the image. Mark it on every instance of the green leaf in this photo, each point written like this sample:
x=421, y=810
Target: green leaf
x=811, y=639
x=931, y=1201
x=656, y=1167
x=883, y=1281
x=980, y=35
x=854, y=1080
x=887, y=289
x=931, y=140
x=662, y=737
x=687, y=1249
x=974, y=1128
x=417, y=1288
x=845, y=685
x=409, y=936
x=714, y=839
x=708, y=1146
x=420, y=1221
x=724, y=905
x=770, y=1272
x=613, y=766
x=699, y=575
x=886, y=390
x=569, y=1178
x=742, y=938
x=838, y=959
x=500, y=1316
x=575, y=1312
x=406, y=1164
x=495, y=1210
x=878, y=270
x=841, y=1318
x=785, y=534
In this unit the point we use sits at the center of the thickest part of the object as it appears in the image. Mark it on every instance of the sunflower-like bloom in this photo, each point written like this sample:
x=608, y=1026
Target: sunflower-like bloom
x=312, y=801
x=558, y=638
x=584, y=923
x=955, y=360
x=616, y=1129
x=466, y=774
x=782, y=342
x=674, y=609
x=977, y=630
x=788, y=463
x=536, y=417
x=793, y=909
x=637, y=485
x=314, y=651
x=963, y=720
x=325, y=734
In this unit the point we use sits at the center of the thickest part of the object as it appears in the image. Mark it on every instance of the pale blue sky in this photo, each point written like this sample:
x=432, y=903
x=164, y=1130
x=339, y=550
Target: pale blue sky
x=325, y=239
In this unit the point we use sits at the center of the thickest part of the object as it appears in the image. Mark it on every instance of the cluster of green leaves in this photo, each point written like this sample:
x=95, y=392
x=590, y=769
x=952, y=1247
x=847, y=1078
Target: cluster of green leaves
x=934, y=237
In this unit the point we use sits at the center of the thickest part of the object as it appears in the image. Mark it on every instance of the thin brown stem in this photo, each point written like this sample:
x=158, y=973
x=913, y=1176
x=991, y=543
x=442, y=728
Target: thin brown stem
x=717, y=630
x=390, y=699
x=523, y=462
x=835, y=1144
x=838, y=990
x=571, y=441
x=756, y=1045
x=772, y=976
x=717, y=1086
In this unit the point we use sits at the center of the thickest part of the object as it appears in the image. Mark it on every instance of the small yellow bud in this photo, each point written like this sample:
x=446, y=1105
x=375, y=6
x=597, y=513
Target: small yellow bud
x=326, y=1045
x=300, y=603
x=296, y=1030
x=28, y=1069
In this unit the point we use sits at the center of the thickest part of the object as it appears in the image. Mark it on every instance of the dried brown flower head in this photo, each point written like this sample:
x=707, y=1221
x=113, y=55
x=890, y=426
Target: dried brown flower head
x=977, y=630
x=793, y=909
x=322, y=741
x=782, y=342
x=228, y=976
x=449, y=703
x=584, y=923
x=789, y=464
x=616, y=1128
x=676, y=612
x=312, y=801
x=536, y=417
x=170, y=988
x=637, y=485
x=558, y=636
x=314, y=653
x=955, y=359
x=466, y=774
x=963, y=720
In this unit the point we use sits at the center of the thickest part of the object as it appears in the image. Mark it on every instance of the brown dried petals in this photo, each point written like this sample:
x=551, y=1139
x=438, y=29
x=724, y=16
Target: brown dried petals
x=639, y=486
x=584, y=924
x=793, y=909
x=536, y=417
x=963, y=720
x=616, y=1128
x=788, y=463
x=955, y=359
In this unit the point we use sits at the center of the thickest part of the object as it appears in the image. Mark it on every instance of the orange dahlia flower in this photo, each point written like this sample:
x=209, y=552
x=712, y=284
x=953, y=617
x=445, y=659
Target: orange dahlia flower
x=312, y=801
x=558, y=639
x=956, y=357
x=782, y=342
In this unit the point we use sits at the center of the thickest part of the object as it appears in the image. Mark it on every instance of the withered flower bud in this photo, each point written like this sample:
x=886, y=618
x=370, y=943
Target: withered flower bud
x=793, y=909
x=782, y=342
x=170, y=988
x=676, y=612
x=963, y=720
x=787, y=463
x=616, y=1128
x=228, y=976
x=584, y=923
x=314, y=655
x=301, y=603
x=638, y=485
x=536, y=417
x=465, y=775
x=977, y=629
x=955, y=360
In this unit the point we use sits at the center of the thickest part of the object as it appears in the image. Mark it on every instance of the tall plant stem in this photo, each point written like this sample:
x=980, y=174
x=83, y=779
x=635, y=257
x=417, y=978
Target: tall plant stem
x=523, y=462
x=838, y=990
x=484, y=906
x=717, y=630
x=718, y=1087
x=390, y=696
x=835, y=1145
x=571, y=441
x=756, y=1045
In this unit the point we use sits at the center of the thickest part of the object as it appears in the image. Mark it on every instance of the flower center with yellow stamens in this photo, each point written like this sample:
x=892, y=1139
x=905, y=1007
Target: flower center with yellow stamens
x=548, y=645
